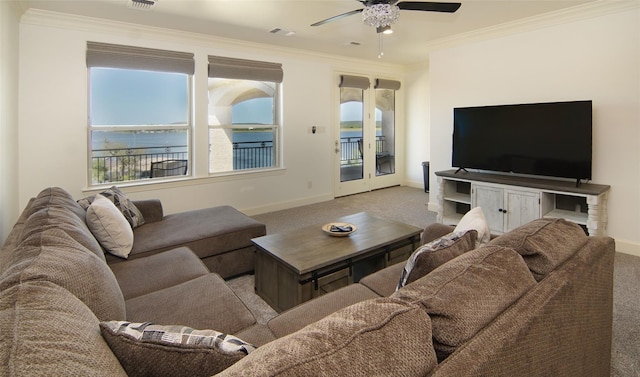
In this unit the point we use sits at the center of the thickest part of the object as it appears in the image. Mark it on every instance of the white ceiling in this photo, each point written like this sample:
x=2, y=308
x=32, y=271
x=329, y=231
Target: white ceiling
x=252, y=20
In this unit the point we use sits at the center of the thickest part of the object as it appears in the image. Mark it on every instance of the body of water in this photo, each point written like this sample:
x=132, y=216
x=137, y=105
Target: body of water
x=125, y=140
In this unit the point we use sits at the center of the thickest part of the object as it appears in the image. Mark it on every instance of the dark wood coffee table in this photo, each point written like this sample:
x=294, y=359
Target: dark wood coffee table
x=294, y=267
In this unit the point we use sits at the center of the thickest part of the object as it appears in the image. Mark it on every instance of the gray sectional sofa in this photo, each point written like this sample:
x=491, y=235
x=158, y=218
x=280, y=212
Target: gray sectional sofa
x=220, y=236
x=536, y=301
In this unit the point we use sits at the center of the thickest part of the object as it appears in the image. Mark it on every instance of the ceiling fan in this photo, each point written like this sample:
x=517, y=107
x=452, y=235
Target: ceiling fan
x=382, y=13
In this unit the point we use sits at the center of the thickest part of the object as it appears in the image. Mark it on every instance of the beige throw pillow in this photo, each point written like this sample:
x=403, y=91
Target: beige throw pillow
x=109, y=227
x=475, y=220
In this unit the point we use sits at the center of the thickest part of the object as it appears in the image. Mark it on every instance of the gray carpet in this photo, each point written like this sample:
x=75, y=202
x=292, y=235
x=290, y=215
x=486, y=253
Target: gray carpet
x=404, y=204
x=243, y=286
x=626, y=316
x=409, y=205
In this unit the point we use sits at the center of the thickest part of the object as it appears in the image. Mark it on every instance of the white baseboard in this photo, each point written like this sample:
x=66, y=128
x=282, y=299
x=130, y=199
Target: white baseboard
x=414, y=184
x=627, y=247
x=286, y=205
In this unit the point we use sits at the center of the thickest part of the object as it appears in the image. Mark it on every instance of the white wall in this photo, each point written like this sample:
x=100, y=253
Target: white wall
x=53, y=113
x=9, y=21
x=417, y=115
x=596, y=58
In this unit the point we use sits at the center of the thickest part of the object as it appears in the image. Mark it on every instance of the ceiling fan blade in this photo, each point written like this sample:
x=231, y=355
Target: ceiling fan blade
x=334, y=18
x=429, y=6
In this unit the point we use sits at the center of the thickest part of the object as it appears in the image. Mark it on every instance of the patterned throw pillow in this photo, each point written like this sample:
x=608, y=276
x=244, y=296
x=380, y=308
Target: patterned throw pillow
x=145, y=349
x=122, y=202
x=431, y=255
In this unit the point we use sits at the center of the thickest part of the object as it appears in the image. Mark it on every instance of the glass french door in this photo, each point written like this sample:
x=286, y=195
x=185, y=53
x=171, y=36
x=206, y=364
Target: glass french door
x=385, y=116
x=351, y=141
x=365, y=141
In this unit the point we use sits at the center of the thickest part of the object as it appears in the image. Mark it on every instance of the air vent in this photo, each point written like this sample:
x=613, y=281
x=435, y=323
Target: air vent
x=286, y=33
x=142, y=4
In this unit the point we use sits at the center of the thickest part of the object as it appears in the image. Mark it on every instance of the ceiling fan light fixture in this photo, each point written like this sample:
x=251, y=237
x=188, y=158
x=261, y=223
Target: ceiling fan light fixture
x=379, y=15
x=384, y=29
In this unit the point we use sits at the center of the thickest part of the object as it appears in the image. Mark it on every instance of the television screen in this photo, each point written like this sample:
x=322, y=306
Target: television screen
x=548, y=139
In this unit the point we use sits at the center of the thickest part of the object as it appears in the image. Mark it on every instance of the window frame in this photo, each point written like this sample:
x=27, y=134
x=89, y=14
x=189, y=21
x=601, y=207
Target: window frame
x=276, y=128
x=129, y=58
x=188, y=126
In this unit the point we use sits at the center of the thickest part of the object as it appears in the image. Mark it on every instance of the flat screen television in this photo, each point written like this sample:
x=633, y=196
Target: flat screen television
x=547, y=139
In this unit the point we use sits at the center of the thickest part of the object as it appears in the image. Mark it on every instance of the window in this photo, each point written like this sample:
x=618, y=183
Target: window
x=139, y=117
x=243, y=114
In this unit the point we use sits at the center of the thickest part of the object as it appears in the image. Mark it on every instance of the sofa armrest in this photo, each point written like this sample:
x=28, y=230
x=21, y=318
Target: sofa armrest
x=151, y=209
x=433, y=231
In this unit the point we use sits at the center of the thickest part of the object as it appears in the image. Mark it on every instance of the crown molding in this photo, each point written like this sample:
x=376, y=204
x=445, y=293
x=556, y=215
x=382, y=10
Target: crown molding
x=39, y=17
x=581, y=12
x=127, y=30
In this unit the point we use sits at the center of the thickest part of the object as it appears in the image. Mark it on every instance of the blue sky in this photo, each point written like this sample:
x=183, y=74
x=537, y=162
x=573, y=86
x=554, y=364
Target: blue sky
x=257, y=110
x=127, y=97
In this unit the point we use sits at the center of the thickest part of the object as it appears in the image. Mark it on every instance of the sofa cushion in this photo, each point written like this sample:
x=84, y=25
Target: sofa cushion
x=46, y=331
x=311, y=311
x=384, y=282
x=122, y=202
x=465, y=294
x=109, y=227
x=544, y=243
x=258, y=334
x=431, y=255
x=475, y=220
x=375, y=337
x=54, y=217
x=14, y=236
x=56, y=197
x=197, y=303
x=53, y=255
x=140, y=276
x=151, y=209
x=207, y=231
x=145, y=349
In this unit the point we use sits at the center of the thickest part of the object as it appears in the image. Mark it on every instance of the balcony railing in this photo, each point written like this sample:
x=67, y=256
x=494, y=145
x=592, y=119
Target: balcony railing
x=252, y=155
x=351, y=150
x=127, y=164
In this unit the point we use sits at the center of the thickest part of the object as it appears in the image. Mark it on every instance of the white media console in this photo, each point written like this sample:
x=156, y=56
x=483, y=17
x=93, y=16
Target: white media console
x=510, y=201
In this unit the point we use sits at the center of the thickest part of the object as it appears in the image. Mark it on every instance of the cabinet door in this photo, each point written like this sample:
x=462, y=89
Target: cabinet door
x=491, y=200
x=521, y=207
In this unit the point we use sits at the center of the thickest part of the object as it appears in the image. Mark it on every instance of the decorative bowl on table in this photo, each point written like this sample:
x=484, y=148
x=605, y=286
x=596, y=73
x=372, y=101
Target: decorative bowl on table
x=339, y=229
